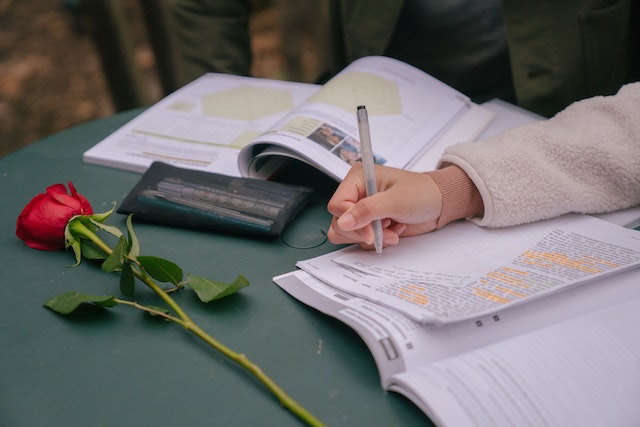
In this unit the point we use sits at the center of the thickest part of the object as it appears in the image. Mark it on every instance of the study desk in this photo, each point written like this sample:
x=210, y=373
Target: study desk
x=102, y=367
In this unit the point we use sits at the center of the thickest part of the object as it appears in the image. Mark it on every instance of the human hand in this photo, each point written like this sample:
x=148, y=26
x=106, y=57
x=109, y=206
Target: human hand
x=407, y=203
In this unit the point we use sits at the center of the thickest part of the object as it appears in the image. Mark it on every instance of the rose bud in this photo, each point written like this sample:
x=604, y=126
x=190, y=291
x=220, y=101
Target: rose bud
x=42, y=222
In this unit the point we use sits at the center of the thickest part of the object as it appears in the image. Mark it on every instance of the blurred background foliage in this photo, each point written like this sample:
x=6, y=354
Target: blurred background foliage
x=52, y=76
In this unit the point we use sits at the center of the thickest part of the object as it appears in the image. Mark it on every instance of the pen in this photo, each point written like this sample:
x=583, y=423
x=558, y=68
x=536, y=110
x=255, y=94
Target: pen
x=369, y=171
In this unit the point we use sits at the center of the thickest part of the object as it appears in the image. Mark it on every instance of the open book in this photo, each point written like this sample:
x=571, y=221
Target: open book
x=244, y=126
x=542, y=330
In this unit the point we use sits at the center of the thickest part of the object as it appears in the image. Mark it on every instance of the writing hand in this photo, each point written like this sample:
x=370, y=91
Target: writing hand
x=407, y=203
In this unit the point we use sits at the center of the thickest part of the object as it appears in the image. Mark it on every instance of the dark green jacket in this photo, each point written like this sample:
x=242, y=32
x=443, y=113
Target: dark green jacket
x=560, y=50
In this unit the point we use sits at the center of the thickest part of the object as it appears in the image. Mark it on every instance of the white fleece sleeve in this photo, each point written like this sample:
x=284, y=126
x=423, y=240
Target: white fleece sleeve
x=586, y=159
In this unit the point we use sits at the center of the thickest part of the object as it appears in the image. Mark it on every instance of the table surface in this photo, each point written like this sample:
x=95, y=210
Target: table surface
x=103, y=367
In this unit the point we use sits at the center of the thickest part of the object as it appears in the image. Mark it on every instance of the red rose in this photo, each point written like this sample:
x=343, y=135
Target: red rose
x=42, y=222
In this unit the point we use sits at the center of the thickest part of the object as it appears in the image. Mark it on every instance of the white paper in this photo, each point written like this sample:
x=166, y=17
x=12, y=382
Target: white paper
x=420, y=360
x=408, y=111
x=464, y=271
x=203, y=125
x=583, y=371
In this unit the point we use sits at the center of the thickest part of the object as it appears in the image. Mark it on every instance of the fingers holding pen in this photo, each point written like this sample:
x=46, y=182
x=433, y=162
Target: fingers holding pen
x=365, y=235
x=352, y=223
x=408, y=203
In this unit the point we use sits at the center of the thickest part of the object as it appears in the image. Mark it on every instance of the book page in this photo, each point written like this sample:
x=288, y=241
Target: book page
x=203, y=125
x=508, y=116
x=582, y=372
x=466, y=129
x=464, y=271
x=399, y=344
x=407, y=108
x=413, y=344
x=393, y=339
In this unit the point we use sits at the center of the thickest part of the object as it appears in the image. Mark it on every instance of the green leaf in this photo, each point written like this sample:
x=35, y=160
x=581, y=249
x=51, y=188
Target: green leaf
x=114, y=261
x=209, y=290
x=161, y=269
x=102, y=217
x=134, y=250
x=71, y=241
x=113, y=230
x=127, y=281
x=91, y=251
x=68, y=302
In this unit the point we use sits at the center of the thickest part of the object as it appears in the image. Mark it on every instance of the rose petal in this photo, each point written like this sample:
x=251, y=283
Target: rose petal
x=69, y=201
x=42, y=222
x=57, y=189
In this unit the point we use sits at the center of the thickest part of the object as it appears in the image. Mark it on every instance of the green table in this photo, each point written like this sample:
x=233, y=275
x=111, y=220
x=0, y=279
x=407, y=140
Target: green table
x=121, y=367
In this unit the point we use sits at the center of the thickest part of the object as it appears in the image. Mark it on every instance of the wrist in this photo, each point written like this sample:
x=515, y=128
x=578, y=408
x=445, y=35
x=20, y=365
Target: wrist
x=460, y=196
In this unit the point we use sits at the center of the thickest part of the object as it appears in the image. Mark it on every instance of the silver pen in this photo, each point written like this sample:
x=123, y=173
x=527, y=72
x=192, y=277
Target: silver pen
x=369, y=170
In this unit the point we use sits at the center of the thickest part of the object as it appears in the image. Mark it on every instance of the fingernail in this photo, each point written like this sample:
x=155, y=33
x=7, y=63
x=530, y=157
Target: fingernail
x=391, y=240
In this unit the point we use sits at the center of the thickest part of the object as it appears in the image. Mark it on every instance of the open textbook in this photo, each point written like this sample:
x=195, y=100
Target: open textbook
x=566, y=357
x=245, y=126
